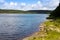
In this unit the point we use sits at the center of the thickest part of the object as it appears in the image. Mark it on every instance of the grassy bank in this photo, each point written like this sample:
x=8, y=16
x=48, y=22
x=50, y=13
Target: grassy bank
x=49, y=31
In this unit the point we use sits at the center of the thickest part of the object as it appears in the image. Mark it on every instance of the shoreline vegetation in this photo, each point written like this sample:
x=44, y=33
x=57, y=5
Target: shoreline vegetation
x=24, y=12
x=50, y=29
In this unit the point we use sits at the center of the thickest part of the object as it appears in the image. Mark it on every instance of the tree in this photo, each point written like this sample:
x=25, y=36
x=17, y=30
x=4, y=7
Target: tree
x=55, y=14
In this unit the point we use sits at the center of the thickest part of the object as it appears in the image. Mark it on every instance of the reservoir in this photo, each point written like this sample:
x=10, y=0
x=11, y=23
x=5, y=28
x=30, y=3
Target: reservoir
x=18, y=26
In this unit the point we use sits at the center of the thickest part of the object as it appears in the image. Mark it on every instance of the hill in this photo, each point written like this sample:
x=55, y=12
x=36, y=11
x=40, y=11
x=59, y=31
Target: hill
x=21, y=11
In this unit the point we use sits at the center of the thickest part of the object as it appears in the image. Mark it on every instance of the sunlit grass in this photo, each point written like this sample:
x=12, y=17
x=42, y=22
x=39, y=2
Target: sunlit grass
x=51, y=34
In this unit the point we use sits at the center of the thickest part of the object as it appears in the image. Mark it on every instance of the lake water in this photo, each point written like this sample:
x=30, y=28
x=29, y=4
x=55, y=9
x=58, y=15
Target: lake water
x=18, y=26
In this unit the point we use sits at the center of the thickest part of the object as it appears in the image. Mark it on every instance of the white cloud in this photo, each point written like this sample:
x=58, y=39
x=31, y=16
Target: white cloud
x=52, y=4
x=10, y=5
x=23, y=4
x=13, y=4
x=39, y=2
x=1, y=1
x=36, y=6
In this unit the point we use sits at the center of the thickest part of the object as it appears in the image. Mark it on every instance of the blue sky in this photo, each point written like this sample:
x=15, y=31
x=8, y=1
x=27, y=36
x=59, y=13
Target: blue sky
x=29, y=4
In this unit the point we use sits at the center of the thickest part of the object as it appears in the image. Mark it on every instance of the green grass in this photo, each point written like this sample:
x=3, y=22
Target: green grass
x=54, y=23
x=51, y=34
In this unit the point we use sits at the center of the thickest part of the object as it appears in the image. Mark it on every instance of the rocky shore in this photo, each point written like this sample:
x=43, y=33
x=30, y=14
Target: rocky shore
x=47, y=31
x=41, y=33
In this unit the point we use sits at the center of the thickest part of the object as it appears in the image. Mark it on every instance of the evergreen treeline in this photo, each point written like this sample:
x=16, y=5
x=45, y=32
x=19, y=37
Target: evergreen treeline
x=21, y=11
x=56, y=13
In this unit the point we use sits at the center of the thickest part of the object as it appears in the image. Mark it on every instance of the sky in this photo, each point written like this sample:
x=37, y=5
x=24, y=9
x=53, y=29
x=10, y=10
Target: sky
x=29, y=4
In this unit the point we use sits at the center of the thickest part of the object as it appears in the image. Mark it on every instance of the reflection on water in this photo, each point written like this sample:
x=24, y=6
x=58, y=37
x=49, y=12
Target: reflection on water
x=14, y=26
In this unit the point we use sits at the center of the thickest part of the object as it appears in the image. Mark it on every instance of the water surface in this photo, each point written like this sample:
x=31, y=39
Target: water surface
x=15, y=26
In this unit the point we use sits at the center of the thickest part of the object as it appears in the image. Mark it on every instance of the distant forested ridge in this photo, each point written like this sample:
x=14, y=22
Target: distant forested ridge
x=10, y=11
x=21, y=11
x=40, y=11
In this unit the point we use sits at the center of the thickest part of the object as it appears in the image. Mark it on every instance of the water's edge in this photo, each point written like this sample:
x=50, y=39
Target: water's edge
x=19, y=25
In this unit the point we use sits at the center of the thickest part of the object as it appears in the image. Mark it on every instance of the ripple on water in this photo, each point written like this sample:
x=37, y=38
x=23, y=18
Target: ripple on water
x=13, y=26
